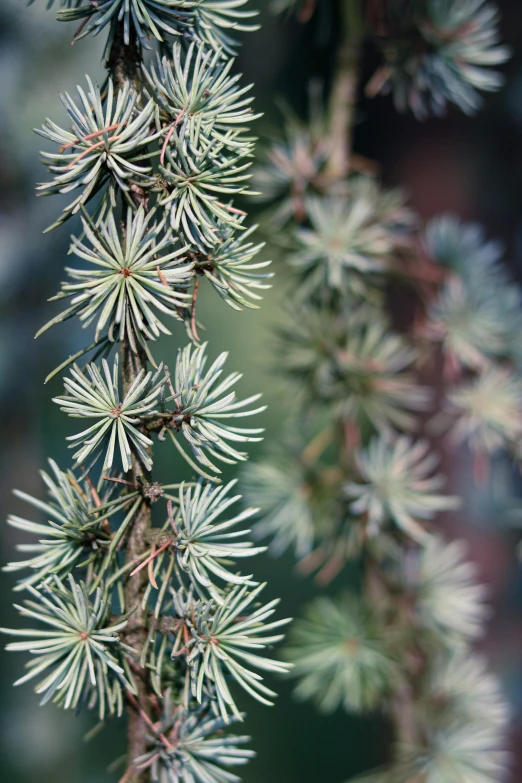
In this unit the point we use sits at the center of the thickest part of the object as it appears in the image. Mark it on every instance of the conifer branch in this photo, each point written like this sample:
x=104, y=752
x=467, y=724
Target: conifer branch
x=154, y=158
x=354, y=482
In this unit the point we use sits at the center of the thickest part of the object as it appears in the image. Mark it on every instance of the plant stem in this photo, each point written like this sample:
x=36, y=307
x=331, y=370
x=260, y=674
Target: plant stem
x=135, y=586
x=402, y=709
x=343, y=93
x=342, y=105
x=124, y=62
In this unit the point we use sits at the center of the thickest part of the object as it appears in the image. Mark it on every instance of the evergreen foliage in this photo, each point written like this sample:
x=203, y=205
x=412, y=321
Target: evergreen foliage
x=341, y=656
x=155, y=619
x=398, y=485
x=126, y=615
x=438, y=52
x=123, y=288
x=81, y=653
x=359, y=232
x=360, y=482
x=105, y=145
x=475, y=314
x=187, y=743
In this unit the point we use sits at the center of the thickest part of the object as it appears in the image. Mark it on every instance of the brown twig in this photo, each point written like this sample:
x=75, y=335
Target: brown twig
x=89, y=136
x=344, y=91
x=121, y=481
x=169, y=135
x=146, y=719
x=127, y=776
x=162, y=277
x=124, y=66
x=151, y=557
x=231, y=209
x=193, y=325
x=90, y=149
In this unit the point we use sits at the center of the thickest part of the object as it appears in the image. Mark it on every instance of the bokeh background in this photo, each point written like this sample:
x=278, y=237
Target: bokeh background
x=472, y=167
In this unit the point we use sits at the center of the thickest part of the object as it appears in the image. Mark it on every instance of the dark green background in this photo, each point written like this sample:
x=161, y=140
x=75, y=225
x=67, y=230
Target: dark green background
x=472, y=167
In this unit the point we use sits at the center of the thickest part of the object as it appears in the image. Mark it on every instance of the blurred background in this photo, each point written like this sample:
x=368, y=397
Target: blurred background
x=472, y=167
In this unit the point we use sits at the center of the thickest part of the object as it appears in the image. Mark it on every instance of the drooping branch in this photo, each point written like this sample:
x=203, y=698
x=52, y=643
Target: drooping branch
x=371, y=494
x=145, y=166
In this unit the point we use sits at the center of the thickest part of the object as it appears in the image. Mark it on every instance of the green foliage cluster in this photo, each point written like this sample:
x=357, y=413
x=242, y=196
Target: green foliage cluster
x=126, y=614
x=439, y=52
x=357, y=480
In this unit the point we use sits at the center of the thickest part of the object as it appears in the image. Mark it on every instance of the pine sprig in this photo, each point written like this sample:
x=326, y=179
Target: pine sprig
x=196, y=92
x=214, y=19
x=191, y=742
x=105, y=146
x=208, y=21
x=153, y=160
x=228, y=268
x=204, y=544
x=129, y=281
x=141, y=18
x=76, y=533
x=223, y=646
x=79, y=653
x=203, y=402
x=97, y=396
x=195, y=181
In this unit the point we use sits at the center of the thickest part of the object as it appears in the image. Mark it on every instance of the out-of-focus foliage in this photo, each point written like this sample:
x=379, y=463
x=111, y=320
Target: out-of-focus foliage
x=438, y=52
x=359, y=233
x=476, y=314
x=366, y=486
x=354, y=364
x=279, y=487
x=450, y=600
x=341, y=657
x=397, y=485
